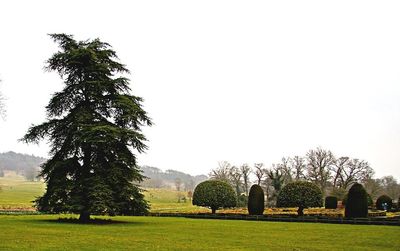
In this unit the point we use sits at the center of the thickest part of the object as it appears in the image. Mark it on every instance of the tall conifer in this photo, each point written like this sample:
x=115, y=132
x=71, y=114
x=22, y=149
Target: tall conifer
x=93, y=125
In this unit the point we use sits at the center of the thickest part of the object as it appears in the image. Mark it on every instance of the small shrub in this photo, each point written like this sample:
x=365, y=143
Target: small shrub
x=331, y=202
x=214, y=194
x=380, y=202
x=357, y=202
x=255, y=203
x=242, y=200
x=300, y=194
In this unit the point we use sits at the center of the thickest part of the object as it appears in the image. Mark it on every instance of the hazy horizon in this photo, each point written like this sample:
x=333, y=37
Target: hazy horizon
x=244, y=82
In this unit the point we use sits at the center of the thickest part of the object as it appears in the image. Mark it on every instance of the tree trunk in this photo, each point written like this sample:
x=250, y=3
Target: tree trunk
x=300, y=211
x=84, y=217
x=213, y=209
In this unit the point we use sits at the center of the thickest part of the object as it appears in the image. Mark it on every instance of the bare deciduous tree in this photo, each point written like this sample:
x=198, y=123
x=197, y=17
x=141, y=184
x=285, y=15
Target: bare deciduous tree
x=286, y=169
x=390, y=186
x=236, y=179
x=373, y=187
x=299, y=167
x=319, y=164
x=268, y=189
x=259, y=172
x=222, y=172
x=245, y=169
x=339, y=165
x=347, y=171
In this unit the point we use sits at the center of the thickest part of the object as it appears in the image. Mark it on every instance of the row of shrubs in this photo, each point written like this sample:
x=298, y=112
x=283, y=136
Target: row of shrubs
x=384, y=202
x=217, y=194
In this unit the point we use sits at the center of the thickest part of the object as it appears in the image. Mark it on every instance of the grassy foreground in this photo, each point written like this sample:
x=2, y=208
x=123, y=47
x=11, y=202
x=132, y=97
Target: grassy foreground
x=42, y=232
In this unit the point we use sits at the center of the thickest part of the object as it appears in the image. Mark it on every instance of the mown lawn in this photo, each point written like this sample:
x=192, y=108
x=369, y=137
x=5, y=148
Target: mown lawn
x=42, y=232
x=16, y=192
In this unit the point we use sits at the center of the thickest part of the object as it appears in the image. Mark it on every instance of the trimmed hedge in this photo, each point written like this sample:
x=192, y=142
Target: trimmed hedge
x=214, y=194
x=255, y=203
x=384, y=199
x=369, y=199
x=357, y=202
x=300, y=194
x=331, y=202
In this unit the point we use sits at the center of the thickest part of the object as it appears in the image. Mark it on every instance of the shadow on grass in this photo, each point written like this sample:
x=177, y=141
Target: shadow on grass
x=94, y=221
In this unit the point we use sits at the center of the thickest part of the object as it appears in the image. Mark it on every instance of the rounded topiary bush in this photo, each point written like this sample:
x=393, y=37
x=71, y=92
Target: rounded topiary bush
x=331, y=202
x=380, y=202
x=300, y=194
x=255, y=203
x=357, y=202
x=369, y=199
x=214, y=194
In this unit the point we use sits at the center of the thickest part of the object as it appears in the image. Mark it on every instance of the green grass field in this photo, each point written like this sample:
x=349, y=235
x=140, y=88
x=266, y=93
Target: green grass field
x=41, y=232
x=164, y=200
x=44, y=232
x=17, y=193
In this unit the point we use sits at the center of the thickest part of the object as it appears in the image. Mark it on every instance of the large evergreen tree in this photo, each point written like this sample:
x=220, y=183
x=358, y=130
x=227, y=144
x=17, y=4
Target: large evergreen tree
x=93, y=126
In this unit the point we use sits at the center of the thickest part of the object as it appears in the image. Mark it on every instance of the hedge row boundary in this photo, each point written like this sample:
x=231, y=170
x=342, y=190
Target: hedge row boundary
x=311, y=219
x=354, y=221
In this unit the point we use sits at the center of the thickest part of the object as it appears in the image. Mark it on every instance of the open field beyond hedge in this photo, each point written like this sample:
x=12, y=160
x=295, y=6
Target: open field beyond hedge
x=16, y=194
x=42, y=232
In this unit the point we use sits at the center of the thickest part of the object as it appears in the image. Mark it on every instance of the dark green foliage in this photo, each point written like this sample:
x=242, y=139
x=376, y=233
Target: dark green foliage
x=357, y=202
x=214, y=194
x=382, y=200
x=242, y=200
x=93, y=124
x=398, y=203
x=277, y=179
x=256, y=200
x=331, y=202
x=300, y=194
x=369, y=199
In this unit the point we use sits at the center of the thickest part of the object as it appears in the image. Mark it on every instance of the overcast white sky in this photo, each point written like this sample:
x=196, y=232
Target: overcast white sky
x=242, y=81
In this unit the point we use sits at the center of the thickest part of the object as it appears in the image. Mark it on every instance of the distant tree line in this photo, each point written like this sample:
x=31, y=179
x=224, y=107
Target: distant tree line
x=333, y=175
x=23, y=164
x=157, y=178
